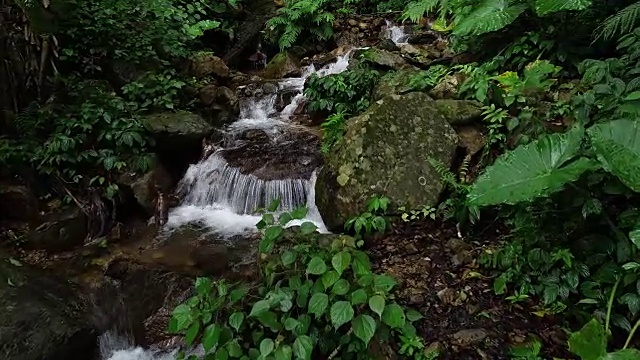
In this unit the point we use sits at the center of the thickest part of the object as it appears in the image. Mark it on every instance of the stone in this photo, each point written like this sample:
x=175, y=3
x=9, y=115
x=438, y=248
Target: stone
x=384, y=152
x=19, y=202
x=448, y=87
x=469, y=337
x=42, y=317
x=388, y=45
x=223, y=105
x=423, y=37
x=206, y=64
x=421, y=55
x=472, y=138
x=59, y=231
x=395, y=83
x=173, y=131
x=142, y=186
x=281, y=66
x=382, y=58
x=460, y=112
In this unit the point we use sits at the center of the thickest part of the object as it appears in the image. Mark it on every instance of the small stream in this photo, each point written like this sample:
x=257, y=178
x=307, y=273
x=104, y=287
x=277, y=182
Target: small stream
x=223, y=199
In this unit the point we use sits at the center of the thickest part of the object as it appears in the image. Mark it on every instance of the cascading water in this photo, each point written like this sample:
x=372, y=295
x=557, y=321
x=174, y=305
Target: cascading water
x=223, y=198
x=396, y=33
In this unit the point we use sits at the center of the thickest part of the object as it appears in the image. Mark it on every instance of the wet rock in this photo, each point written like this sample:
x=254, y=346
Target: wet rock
x=173, y=131
x=223, y=105
x=59, y=231
x=384, y=152
x=267, y=159
x=269, y=88
x=19, y=202
x=142, y=186
x=421, y=55
x=469, y=337
x=382, y=58
x=448, y=87
x=395, y=83
x=206, y=64
x=460, y=112
x=423, y=37
x=42, y=317
x=281, y=66
x=388, y=45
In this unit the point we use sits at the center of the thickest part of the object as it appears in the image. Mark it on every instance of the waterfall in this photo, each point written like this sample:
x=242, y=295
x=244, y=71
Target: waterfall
x=396, y=33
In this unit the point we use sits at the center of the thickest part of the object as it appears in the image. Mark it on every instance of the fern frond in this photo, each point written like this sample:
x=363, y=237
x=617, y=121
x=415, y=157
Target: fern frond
x=490, y=16
x=545, y=7
x=446, y=176
x=415, y=10
x=620, y=23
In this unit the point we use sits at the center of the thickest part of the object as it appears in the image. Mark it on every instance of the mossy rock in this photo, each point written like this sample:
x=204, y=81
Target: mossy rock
x=460, y=112
x=385, y=151
x=395, y=83
x=383, y=58
x=282, y=65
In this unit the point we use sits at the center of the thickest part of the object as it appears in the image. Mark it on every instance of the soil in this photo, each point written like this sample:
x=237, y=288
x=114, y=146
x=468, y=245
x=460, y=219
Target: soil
x=463, y=318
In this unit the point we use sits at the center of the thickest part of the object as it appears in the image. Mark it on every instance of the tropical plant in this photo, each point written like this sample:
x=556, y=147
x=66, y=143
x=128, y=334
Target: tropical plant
x=299, y=17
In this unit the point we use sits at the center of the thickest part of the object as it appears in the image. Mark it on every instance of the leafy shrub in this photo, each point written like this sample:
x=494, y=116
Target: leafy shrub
x=372, y=220
x=155, y=91
x=315, y=300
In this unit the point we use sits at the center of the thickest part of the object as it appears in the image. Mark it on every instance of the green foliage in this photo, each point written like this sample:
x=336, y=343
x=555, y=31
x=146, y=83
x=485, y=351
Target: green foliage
x=315, y=299
x=94, y=135
x=372, y=220
x=155, y=91
x=621, y=23
x=299, y=19
x=426, y=80
x=332, y=130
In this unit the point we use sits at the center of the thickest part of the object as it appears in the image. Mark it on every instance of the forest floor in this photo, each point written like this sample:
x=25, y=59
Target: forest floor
x=463, y=318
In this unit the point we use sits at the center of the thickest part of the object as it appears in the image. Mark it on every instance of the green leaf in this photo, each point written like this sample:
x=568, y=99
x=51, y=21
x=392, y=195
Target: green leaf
x=590, y=343
x=545, y=7
x=203, y=285
x=341, y=261
x=211, y=336
x=617, y=145
x=283, y=352
x=318, y=304
x=413, y=315
x=182, y=316
x=360, y=265
x=329, y=278
x=288, y=257
x=634, y=236
x=341, y=287
x=266, y=347
x=531, y=171
x=394, y=316
x=191, y=333
x=273, y=206
x=284, y=218
x=221, y=354
x=316, y=266
x=376, y=303
x=490, y=15
x=299, y=213
x=260, y=307
x=291, y=324
x=234, y=348
x=626, y=354
x=273, y=232
x=383, y=283
x=308, y=228
x=302, y=347
x=364, y=327
x=358, y=297
x=235, y=320
x=341, y=313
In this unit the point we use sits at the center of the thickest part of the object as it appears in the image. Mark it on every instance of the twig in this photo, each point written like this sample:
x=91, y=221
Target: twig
x=335, y=352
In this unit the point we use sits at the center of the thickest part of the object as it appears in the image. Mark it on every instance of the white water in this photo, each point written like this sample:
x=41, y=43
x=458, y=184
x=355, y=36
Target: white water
x=396, y=33
x=223, y=199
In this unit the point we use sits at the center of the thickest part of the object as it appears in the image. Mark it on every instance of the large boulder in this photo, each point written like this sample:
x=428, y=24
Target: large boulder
x=282, y=65
x=142, y=185
x=174, y=130
x=42, y=317
x=395, y=83
x=385, y=151
x=221, y=104
x=460, y=112
x=382, y=58
x=205, y=64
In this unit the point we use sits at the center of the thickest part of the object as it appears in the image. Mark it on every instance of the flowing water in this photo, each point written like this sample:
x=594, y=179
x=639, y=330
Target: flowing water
x=396, y=33
x=224, y=199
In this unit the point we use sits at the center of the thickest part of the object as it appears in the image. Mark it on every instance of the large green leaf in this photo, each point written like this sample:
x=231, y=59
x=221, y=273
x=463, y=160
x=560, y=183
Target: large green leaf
x=626, y=354
x=544, y=7
x=531, y=170
x=590, y=343
x=617, y=145
x=490, y=15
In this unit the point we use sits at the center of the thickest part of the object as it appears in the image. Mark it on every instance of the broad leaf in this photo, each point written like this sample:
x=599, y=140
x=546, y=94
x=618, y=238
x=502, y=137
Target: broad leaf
x=394, y=316
x=303, y=347
x=211, y=336
x=626, y=354
x=531, y=171
x=341, y=261
x=284, y=352
x=359, y=297
x=617, y=144
x=266, y=347
x=318, y=304
x=383, y=283
x=235, y=320
x=590, y=343
x=364, y=327
x=490, y=15
x=544, y=7
x=376, y=304
x=341, y=287
x=341, y=313
x=316, y=266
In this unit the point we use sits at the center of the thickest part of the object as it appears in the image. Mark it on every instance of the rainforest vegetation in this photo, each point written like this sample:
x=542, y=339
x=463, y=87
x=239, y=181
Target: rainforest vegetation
x=558, y=174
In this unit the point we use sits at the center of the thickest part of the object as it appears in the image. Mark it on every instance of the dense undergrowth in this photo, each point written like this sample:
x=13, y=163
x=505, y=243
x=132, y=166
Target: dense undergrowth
x=559, y=84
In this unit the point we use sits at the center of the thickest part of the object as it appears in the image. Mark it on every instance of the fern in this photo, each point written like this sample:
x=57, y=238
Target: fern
x=545, y=7
x=298, y=17
x=620, y=23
